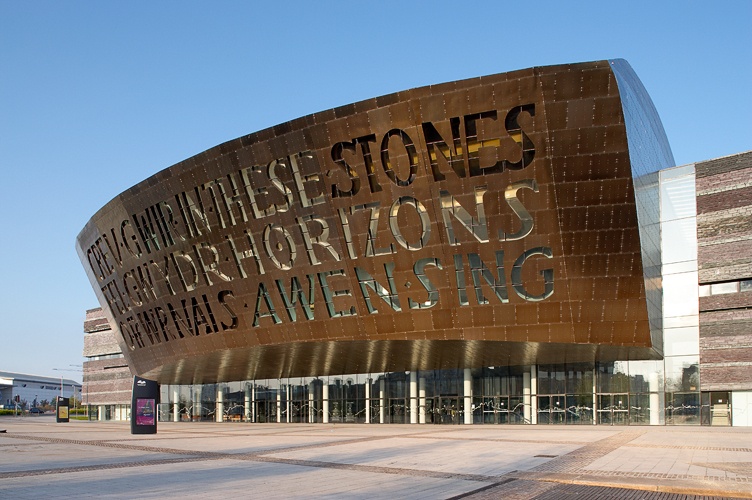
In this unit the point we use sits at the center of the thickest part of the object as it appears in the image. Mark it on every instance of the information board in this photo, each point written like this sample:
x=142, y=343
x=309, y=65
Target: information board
x=144, y=403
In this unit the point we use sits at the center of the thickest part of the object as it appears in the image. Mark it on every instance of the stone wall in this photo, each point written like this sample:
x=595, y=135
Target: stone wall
x=107, y=378
x=724, y=232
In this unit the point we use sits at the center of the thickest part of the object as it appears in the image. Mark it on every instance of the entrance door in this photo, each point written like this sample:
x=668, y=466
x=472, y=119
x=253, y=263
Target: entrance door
x=234, y=411
x=446, y=410
x=613, y=409
x=496, y=410
x=720, y=410
x=552, y=409
x=266, y=411
x=516, y=410
x=580, y=409
x=397, y=413
x=299, y=411
x=430, y=410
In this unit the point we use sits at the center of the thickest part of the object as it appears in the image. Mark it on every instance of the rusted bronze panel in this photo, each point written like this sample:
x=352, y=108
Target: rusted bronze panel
x=474, y=223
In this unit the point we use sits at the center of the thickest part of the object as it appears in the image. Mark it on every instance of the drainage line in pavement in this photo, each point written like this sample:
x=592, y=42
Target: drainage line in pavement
x=484, y=488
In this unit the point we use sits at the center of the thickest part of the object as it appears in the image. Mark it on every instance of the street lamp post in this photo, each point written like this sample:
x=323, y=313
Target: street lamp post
x=61, y=380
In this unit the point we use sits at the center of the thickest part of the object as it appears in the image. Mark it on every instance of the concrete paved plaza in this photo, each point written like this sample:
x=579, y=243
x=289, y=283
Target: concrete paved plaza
x=39, y=457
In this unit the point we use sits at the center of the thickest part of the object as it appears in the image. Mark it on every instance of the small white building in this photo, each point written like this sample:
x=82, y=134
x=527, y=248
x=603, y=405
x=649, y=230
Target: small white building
x=33, y=389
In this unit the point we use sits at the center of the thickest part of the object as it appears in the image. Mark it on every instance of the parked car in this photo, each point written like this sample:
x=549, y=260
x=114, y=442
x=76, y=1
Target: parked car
x=36, y=410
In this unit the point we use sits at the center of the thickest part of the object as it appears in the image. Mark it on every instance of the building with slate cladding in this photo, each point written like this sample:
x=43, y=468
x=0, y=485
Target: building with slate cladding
x=107, y=379
x=724, y=257
x=517, y=248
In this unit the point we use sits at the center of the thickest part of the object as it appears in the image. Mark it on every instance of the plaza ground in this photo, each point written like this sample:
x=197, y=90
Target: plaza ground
x=39, y=457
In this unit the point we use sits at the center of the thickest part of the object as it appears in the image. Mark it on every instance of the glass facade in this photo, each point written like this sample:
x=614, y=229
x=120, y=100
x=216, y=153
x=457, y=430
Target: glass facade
x=680, y=295
x=615, y=393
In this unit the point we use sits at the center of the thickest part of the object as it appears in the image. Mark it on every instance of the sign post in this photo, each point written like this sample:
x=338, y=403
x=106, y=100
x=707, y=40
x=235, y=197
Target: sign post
x=144, y=403
x=62, y=409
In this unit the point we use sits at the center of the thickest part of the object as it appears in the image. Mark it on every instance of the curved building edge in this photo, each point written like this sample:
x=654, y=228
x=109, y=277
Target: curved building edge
x=446, y=226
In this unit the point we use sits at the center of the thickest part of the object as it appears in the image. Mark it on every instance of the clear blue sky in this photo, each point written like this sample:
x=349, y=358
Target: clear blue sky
x=97, y=96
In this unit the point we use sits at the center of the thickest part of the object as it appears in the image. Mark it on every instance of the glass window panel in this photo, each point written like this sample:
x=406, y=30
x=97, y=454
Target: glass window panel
x=448, y=382
x=544, y=409
x=558, y=409
x=682, y=373
x=479, y=413
x=397, y=413
x=680, y=295
x=683, y=408
x=431, y=389
x=580, y=409
x=396, y=384
x=681, y=341
x=646, y=376
x=300, y=391
x=705, y=408
x=613, y=377
x=579, y=379
x=745, y=285
x=678, y=197
x=544, y=379
x=646, y=191
x=516, y=410
x=722, y=288
x=678, y=172
x=493, y=381
x=270, y=383
x=681, y=321
x=639, y=409
x=679, y=240
x=335, y=388
x=680, y=267
x=551, y=379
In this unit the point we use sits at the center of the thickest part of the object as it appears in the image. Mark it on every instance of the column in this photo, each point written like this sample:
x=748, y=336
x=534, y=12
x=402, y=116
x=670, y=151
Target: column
x=220, y=406
x=325, y=402
x=422, y=400
x=413, y=397
x=279, y=403
x=196, y=402
x=311, y=407
x=253, y=402
x=534, y=394
x=175, y=407
x=247, y=403
x=289, y=403
x=382, y=400
x=102, y=412
x=526, y=396
x=368, y=400
x=467, y=392
x=656, y=408
x=595, y=397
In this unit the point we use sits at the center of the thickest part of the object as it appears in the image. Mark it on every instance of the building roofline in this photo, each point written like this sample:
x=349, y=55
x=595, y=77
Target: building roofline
x=40, y=378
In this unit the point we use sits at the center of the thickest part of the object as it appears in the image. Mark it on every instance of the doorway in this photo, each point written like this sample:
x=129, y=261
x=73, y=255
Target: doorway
x=613, y=409
x=552, y=409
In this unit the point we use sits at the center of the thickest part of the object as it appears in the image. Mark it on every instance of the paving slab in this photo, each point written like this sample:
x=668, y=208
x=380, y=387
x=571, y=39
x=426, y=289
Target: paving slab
x=217, y=460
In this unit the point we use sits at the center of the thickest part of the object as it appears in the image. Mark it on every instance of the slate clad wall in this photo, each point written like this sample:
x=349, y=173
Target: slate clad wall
x=106, y=381
x=724, y=232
